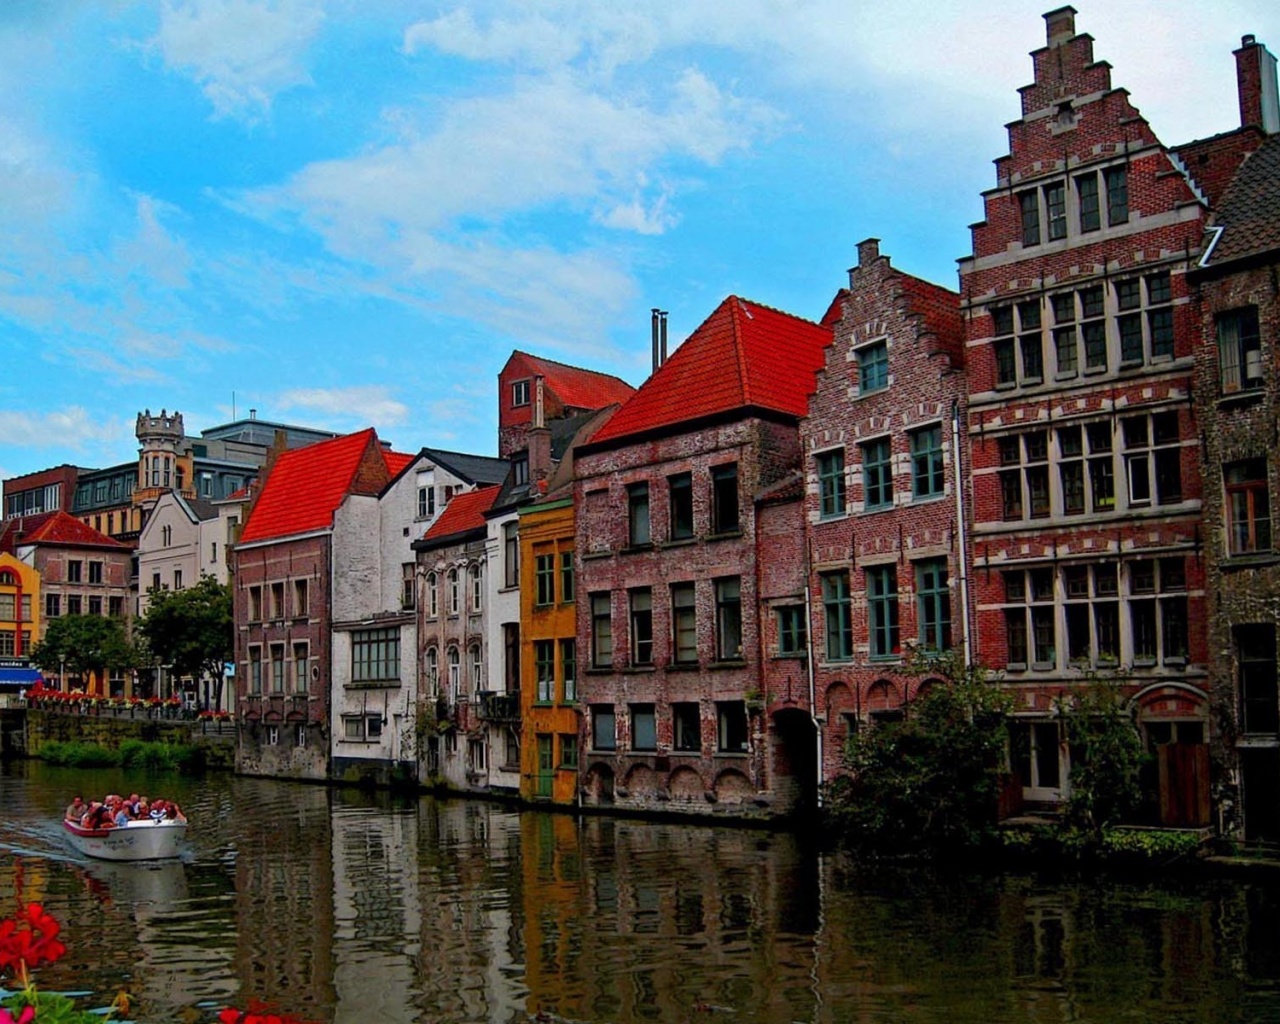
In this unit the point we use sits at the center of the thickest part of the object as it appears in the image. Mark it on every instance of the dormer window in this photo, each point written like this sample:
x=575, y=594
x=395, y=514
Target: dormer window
x=520, y=393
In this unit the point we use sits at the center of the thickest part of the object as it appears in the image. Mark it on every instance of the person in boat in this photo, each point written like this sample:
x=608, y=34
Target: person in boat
x=173, y=812
x=98, y=816
x=75, y=810
x=122, y=816
x=157, y=810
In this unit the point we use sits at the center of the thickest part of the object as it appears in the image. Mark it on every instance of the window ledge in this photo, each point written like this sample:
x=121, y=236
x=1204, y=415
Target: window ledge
x=599, y=670
x=683, y=666
x=727, y=535
x=925, y=499
x=728, y=663
x=646, y=668
x=679, y=542
x=1244, y=396
x=365, y=684
x=1016, y=666
x=870, y=510
x=1251, y=560
x=635, y=549
x=734, y=754
x=790, y=656
x=591, y=556
x=884, y=659
x=1006, y=385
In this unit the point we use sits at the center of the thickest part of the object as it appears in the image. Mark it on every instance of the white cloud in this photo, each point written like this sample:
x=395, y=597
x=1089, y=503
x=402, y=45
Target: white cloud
x=240, y=52
x=363, y=403
x=71, y=427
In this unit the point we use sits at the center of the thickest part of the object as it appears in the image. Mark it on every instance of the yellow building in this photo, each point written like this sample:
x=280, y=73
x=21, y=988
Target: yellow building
x=19, y=620
x=548, y=656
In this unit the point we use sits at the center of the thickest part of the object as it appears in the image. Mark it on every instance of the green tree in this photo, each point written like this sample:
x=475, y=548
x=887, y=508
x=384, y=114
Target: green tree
x=85, y=644
x=930, y=781
x=1106, y=756
x=191, y=630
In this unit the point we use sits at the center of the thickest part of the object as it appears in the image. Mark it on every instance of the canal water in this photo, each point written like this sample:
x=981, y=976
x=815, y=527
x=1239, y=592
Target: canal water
x=346, y=907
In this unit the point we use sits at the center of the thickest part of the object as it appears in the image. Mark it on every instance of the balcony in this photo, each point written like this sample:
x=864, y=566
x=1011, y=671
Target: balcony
x=497, y=707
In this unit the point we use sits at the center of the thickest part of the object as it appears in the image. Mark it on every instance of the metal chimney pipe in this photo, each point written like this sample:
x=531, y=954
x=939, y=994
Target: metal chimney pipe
x=663, y=340
x=653, y=331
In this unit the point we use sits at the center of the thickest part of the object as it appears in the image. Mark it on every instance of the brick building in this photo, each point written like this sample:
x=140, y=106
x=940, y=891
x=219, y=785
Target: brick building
x=1239, y=413
x=679, y=693
x=283, y=572
x=884, y=530
x=1086, y=487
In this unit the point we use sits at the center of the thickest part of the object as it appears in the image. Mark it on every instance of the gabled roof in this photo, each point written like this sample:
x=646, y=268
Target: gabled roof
x=474, y=469
x=396, y=461
x=306, y=485
x=939, y=312
x=54, y=528
x=743, y=356
x=576, y=387
x=464, y=513
x=1249, y=213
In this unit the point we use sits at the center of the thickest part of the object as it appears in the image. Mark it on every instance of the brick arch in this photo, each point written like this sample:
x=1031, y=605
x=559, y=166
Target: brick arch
x=840, y=698
x=927, y=686
x=1170, y=700
x=598, y=784
x=685, y=784
x=642, y=781
x=883, y=695
x=733, y=787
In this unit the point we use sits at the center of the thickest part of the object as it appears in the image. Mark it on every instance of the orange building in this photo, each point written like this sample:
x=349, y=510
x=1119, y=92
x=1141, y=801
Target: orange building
x=19, y=621
x=548, y=657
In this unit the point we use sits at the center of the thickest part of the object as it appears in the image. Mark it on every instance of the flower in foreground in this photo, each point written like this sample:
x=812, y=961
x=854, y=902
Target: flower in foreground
x=28, y=939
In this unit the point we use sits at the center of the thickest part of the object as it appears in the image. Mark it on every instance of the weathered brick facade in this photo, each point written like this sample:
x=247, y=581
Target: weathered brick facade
x=885, y=555
x=1085, y=479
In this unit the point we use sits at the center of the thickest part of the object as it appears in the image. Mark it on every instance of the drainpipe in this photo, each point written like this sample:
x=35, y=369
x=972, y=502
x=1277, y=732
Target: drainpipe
x=808, y=664
x=964, y=541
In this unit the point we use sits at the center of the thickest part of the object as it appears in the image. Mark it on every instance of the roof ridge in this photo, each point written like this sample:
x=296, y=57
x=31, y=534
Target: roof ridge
x=566, y=366
x=739, y=345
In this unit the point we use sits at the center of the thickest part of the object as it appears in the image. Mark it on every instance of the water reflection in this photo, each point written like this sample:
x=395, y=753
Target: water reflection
x=345, y=907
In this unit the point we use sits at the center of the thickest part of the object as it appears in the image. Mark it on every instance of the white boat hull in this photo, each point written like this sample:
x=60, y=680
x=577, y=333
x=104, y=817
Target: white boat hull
x=139, y=840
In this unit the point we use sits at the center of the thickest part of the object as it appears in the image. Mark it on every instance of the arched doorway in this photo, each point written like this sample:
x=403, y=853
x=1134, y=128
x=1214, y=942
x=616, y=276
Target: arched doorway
x=795, y=762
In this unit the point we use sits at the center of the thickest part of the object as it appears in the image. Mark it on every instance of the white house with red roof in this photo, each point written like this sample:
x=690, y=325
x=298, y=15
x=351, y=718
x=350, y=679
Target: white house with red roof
x=687, y=513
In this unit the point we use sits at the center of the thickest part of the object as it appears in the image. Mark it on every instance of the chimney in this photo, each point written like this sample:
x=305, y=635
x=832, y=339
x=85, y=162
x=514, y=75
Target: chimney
x=1060, y=25
x=662, y=339
x=653, y=337
x=1256, y=85
x=253, y=414
x=539, y=436
x=868, y=251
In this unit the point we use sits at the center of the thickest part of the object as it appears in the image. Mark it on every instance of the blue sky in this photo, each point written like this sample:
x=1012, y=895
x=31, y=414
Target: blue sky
x=347, y=213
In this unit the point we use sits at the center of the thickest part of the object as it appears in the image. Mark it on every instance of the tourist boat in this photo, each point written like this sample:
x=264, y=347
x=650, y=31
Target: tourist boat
x=138, y=840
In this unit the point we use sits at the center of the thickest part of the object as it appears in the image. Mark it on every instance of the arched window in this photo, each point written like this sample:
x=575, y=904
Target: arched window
x=477, y=667
x=433, y=596
x=453, y=591
x=477, y=587
x=433, y=671
x=455, y=673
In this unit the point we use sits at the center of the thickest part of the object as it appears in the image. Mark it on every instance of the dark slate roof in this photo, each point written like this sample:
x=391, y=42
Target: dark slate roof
x=1249, y=213
x=200, y=508
x=474, y=469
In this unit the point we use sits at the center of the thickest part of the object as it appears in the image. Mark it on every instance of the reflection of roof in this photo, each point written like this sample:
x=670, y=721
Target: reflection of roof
x=743, y=356
x=464, y=513
x=1249, y=213
x=576, y=387
x=54, y=528
x=306, y=485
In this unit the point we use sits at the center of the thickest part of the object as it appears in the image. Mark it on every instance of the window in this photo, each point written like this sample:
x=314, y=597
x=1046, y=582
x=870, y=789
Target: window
x=255, y=669
x=680, y=499
x=873, y=367
x=1087, y=197
x=300, y=735
x=520, y=470
x=544, y=670
x=684, y=623
x=1030, y=344
x=375, y=655
x=831, y=483
x=1145, y=330
x=569, y=669
x=52, y=605
x=511, y=554
x=1160, y=315
x=728, y=619
x=273, y=735
x=1035, y=750
x=1003, y=347
x=115, y=607
x=1153, y=458
x=1029, y=208
x=1030, y=630
x=792, y=638
x=568, y=751
x=644, y=727
x=475, y=579
x=1092, y=615
x=301, y=668
x=433, y=595
x=731, y=726
x=877, y=474
x=1117, y=183
x=641, y=602
x=73, y=604
x=1024, y=482
x=1239, y=350
x=566, y=576
x=601, y=631
x=426, y=501
x=1055, y=208
x=74, y=570
x=1256, y=661
x=95, y=605
x=277, y=668
x=544, y=579
x=724, y=498
x=95, y=573
x=477, y=668
x=433, y=671
x=604, y=733
x=520, y=393
x=933, y=604
x=1093, y=328
x=213, y=552
x=838, y=616
x=882, y=611
x=927, y=480
x=511, y=656
x=1157, y=610
x=637, y=514
x=1248, y=507
x=407, y=586
x=454, y=663
x=1066, y=351
x=452, y=591
x=686, y=723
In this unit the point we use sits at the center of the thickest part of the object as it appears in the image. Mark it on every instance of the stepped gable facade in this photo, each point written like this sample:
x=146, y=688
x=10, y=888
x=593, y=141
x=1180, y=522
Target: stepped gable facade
x=670, y=561
x=882, y=506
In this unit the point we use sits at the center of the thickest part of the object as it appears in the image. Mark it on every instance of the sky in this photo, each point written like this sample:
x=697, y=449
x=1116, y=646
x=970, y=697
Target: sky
x=348, y=213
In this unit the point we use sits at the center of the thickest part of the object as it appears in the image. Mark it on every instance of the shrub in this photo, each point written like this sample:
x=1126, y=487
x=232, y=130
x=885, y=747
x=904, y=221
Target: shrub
x=78, y=755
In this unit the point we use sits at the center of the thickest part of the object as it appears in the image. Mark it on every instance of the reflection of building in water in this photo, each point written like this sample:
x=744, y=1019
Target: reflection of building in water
x=284, y=902
x=634, y=921
x=376, y=913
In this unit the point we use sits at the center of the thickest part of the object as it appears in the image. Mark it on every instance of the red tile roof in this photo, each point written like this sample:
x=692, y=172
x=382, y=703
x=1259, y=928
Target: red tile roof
x=54, y=528
x=743, y=356
x=396, y=461
x=576, y=387
x=463, y=513
x=306, y=485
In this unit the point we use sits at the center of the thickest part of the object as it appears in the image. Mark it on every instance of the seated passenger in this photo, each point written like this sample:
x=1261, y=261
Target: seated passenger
x=75, y=810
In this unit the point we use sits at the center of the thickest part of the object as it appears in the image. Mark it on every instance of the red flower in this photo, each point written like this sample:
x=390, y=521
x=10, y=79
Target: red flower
x=28, y=1014
x=29, y=938
x=231, y=1015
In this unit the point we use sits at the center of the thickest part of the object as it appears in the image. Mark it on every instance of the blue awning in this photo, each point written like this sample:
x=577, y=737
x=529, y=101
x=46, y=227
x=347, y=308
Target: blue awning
x=20, y=676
